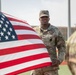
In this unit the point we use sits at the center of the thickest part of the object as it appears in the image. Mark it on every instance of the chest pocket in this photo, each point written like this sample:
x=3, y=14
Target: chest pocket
x=48, y=39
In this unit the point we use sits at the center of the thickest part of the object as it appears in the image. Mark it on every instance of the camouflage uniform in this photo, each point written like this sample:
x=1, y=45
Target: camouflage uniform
x=71, y=53
x=52, y=39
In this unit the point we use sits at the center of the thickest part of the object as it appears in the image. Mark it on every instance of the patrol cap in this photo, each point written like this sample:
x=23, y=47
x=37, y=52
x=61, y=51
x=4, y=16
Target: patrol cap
x=44, y=13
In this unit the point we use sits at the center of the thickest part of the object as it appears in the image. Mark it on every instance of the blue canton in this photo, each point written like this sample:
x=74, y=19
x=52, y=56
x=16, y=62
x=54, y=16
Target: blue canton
x=7, y=32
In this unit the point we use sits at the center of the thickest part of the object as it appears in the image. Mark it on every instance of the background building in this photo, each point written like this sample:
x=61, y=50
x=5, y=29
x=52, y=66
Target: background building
x=64, y=30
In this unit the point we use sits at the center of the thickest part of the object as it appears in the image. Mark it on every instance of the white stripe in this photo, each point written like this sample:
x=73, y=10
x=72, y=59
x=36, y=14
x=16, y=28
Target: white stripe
x=11, y=44
x=22, y=32
x=14, y=56
x=24, y=65
x=19, y=23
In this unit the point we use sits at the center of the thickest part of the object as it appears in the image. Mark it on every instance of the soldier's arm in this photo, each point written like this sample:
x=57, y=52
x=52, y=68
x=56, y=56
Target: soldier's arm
x=61, y=47
x=67, y=51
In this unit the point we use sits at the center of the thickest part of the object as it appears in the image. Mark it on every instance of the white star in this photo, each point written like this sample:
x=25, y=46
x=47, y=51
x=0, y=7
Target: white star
x=6, y=37
x=10, y=29
x=6, y=25
x=4, y=29
x=1, y=21
x=8, y=33
x=7, y=22
x=0, y=25
x=2, y=18
x=13, y=36
x=2, y=33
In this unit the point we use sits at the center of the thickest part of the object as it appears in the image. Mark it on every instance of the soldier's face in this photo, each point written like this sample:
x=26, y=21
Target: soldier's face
x=44, y=20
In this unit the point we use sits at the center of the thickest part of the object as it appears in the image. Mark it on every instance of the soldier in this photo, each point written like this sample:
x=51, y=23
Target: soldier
x=52, y=39
x=71, y=53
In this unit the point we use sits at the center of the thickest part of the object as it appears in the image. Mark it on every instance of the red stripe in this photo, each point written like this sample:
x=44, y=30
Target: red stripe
x=30, y=68
x=16, y=27
x=27, y=36
x=23, y=60
x=20, y=49
x=13, y=19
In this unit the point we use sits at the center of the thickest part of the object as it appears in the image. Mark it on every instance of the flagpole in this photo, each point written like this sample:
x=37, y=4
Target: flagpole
x=69, y=19
x=0, y=5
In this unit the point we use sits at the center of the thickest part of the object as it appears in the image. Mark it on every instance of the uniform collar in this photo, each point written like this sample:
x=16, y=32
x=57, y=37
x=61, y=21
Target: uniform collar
x=41, y=29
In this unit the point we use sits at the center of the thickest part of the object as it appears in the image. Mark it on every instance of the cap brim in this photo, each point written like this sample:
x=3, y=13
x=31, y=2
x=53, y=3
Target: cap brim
x=44, y=15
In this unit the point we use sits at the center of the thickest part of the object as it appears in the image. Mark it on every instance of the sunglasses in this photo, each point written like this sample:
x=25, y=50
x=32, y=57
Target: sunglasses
x=44, y=17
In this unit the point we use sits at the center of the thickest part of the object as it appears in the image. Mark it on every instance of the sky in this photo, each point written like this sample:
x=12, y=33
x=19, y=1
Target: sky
x=28, y=10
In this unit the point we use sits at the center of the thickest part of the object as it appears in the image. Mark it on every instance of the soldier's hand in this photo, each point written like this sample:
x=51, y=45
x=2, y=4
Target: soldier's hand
x=56, y=63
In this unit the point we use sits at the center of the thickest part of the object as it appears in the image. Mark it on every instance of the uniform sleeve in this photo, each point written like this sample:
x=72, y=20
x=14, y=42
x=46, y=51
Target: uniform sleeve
x=61, y=47
x=67, y=51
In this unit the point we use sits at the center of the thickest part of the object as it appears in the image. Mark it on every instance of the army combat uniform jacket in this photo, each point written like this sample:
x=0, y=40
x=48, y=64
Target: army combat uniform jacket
x=71, y=48
x=53, y=40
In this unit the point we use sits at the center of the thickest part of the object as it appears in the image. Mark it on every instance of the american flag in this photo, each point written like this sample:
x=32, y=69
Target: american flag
x=21, y=49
